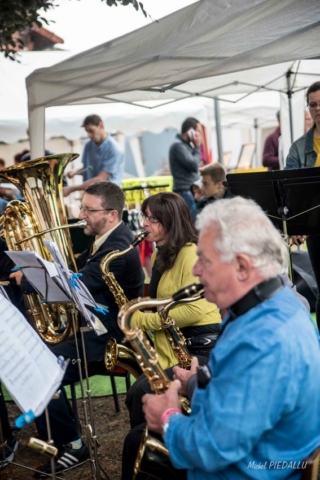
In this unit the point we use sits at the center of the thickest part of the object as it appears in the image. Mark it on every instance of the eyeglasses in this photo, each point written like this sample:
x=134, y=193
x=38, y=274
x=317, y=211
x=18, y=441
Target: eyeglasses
x=313, y=105
x=151, y=218
x=91, y=210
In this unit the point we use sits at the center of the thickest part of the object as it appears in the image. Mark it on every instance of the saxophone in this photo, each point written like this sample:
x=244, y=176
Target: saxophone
x=116, y=354
x=151, y=451
x=43, y=214
x=174, y=336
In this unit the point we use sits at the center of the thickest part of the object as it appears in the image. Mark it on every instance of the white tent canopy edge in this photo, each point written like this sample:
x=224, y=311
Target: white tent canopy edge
x=208, y=38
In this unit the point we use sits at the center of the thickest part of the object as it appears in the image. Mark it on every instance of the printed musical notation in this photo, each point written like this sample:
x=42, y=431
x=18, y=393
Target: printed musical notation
x=28, y=369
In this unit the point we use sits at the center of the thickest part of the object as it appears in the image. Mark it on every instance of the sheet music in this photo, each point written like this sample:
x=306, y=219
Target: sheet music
x=28, y=369
x=51, y=281
x=38, y=272
x=81, y=296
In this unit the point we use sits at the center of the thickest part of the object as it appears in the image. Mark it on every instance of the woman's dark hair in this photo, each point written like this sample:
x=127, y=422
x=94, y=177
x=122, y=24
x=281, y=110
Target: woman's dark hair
x=174, y=215
x=312, y=89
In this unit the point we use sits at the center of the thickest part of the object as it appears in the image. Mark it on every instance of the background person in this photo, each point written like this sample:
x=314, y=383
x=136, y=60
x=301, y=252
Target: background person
x=258, y=401
x=305, y=152
x=102, y=158
x=270, y=155
x=213, y=178
x=184, y=159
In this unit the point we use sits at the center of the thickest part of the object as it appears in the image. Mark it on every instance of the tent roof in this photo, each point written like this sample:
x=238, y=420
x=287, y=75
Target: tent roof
x=165, y=61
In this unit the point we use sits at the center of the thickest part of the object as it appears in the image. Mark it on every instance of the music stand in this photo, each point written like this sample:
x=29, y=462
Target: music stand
x=290, y=198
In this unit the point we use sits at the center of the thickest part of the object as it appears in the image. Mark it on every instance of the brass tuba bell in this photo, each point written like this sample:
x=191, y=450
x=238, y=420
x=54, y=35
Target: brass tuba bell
x=42, y=215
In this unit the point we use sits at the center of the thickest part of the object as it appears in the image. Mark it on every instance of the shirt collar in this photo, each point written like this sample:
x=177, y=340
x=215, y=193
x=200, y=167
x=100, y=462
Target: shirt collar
x=100, y=241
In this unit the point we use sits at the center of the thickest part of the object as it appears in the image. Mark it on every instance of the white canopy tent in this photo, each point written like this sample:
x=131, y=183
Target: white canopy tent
x=180, y=56
x=128, y=119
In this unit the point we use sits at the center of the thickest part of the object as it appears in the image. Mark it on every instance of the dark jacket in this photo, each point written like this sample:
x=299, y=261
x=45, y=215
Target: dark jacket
x=206, y=201
x=129, y=274
x=301, y=153
x=184, y=162
x=12, y=290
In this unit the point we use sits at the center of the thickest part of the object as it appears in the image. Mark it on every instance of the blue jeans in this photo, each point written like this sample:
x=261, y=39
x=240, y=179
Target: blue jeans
x=188, y=197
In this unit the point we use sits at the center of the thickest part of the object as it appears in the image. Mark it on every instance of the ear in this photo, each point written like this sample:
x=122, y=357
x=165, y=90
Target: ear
x=114, y=215
x=244, y=267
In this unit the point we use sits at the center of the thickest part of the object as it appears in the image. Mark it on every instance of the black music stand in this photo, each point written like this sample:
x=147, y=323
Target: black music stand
x=290, y=198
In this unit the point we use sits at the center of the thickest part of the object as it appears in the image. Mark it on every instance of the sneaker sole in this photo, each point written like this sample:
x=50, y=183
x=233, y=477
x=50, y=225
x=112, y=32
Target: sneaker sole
x=4, y=463
x=39, y=474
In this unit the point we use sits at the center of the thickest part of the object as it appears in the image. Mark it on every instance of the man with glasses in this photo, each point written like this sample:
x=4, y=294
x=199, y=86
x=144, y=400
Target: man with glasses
x=102, y=206
x=305, y=152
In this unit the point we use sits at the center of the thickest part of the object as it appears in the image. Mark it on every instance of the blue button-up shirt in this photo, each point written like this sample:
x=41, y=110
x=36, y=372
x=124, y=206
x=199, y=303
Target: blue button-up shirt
x=106, y=157
x=259, y=415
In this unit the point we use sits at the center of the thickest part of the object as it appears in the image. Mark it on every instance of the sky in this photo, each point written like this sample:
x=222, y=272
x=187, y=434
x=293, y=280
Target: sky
x=83, y=24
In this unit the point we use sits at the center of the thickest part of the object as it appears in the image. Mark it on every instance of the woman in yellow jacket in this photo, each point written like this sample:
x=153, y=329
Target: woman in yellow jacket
x=168, y=223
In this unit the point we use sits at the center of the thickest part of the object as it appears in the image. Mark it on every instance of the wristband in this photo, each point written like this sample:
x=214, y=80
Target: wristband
x=167, y=413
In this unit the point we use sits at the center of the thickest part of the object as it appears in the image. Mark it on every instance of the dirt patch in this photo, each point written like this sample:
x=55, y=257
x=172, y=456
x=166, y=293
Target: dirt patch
x=111, y=429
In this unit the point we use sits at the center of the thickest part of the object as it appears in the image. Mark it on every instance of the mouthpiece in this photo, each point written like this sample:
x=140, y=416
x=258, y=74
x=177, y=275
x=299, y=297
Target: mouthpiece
x=187, y=292
x=42, y=447
x=139, y=238
x=81, y=223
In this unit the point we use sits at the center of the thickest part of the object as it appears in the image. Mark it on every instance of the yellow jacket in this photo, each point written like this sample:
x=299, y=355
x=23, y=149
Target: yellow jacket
x=189, y=314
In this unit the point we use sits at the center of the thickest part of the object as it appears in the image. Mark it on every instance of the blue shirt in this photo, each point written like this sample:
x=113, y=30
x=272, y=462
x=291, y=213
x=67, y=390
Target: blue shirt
x=106, y=157
x=3, y=204
x=262, y=404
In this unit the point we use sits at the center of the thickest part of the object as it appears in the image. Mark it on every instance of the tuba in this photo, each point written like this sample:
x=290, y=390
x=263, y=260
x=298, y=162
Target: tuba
x=151, y=452
x=115, y=354
x=42, y=215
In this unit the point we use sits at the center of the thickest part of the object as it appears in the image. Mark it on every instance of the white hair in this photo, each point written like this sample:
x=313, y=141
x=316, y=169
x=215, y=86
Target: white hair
x=243, y=227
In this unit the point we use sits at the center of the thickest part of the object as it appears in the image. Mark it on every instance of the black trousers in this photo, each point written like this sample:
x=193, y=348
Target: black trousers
x=313, y=244
x=140, y=388
x=137, y=423
x=129, y=454
x=62, y=422
x=5, y=425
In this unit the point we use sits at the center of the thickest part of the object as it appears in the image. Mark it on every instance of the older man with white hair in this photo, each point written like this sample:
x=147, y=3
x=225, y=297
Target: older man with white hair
x=256, y=408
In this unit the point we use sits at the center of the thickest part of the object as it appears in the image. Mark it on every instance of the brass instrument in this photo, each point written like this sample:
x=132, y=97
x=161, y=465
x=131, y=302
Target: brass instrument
x=148, y=361
x=116, y=354
x=153, y=459
x=174, y=336
x=42, y=215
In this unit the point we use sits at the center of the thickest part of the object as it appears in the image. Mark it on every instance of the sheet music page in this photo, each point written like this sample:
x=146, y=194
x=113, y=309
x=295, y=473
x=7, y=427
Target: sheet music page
x=38, y=272
x=28, y=369
x=81, y=295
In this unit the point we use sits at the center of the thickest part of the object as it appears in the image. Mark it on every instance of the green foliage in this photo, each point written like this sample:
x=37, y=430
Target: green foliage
x=17, y=15
x=136, y=4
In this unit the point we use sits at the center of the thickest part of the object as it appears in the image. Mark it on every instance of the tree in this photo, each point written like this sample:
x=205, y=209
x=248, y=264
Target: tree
x=17, y=15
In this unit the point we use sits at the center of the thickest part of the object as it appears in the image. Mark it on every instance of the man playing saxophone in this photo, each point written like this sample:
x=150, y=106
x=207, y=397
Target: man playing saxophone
x=102, y=206
x=256, y=408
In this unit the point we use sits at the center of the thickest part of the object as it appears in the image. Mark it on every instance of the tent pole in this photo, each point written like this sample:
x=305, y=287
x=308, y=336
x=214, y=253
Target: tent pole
x=218, y=129
x=289, y=94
